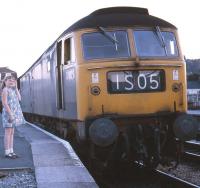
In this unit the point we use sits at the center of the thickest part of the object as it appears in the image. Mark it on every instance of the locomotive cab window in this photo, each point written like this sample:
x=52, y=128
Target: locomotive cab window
x=155, y=44
x=99, y=45
x=69, y=51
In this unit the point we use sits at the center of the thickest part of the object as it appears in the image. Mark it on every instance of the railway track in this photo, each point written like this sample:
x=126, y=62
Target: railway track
x=140, y=178
x=146, y=178
x=192, y=150
x=169, y=180
x=174, y=182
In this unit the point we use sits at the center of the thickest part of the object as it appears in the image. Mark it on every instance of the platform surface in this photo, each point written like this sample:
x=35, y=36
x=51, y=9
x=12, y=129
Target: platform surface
x=55, y=163
x=21, y=147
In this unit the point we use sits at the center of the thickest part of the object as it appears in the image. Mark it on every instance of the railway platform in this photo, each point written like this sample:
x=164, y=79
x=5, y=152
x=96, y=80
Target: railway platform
x=21, y=147
x=54, y=161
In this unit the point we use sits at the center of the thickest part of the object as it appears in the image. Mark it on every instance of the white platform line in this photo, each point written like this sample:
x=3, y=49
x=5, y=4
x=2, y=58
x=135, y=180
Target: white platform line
x=64, y=142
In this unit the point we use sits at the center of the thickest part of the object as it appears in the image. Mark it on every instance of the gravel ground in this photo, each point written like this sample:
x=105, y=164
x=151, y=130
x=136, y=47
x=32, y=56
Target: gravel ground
x=18, y=179
x=186, y=171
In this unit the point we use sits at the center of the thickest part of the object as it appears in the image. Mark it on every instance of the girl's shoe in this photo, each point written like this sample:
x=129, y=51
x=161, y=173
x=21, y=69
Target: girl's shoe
x=14, y=155
x=10, y=156
x=2, y=175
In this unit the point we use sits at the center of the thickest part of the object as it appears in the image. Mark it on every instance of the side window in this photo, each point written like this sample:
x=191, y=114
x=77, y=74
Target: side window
x=21, y=82
x=0, y=84
x=69, y=51
x=48, y=66
x=59, y=53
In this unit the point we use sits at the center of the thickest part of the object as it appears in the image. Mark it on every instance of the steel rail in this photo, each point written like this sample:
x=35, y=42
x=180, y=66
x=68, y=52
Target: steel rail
x=178, y=182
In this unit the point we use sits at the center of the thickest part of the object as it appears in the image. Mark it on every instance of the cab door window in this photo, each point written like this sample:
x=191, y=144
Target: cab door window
x=69, y=51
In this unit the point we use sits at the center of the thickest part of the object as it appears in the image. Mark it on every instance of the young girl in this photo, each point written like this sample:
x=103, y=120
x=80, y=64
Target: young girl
x=11, y=114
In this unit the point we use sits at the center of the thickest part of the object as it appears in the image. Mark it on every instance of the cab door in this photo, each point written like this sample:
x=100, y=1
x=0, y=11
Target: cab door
x=66, y=78
x=69, y=78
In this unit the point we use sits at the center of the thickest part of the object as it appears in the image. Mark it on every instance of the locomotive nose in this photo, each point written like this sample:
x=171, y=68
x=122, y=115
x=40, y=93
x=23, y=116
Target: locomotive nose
x=185, y=127
x=103, y=132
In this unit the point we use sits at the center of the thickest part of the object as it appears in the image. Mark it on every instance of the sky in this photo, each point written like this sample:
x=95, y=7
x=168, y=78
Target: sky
x=29, y=27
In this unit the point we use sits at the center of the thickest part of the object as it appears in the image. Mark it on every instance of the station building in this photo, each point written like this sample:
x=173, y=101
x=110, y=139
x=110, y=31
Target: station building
x=193, y=94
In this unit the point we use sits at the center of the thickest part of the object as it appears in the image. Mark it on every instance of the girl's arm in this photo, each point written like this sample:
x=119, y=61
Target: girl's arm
x=5, y=102
x=18, y=94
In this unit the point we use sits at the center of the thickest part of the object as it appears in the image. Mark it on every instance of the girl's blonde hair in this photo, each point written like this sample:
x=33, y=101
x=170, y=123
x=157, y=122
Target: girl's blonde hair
x=7, y=76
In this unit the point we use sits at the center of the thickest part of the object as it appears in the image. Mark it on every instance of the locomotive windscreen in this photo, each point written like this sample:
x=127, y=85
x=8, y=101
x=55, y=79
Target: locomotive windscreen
x=98, y=46
x=155, y=44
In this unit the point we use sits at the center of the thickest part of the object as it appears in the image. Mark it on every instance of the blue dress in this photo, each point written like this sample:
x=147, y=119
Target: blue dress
x=15, y=107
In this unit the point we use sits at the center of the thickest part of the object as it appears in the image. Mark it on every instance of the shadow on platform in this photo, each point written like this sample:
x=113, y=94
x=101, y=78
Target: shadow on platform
x=21, y=148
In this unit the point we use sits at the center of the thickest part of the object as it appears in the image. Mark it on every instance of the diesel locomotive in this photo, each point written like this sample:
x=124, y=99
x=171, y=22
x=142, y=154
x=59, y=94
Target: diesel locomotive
x=115, y=79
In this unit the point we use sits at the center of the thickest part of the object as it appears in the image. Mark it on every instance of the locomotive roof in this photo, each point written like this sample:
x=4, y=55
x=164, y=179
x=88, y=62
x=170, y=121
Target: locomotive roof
x=114, y=17
x=119, y=16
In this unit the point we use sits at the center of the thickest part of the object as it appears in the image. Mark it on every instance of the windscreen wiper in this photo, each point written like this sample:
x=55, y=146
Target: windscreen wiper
x=107, y=35
x=161, y=39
